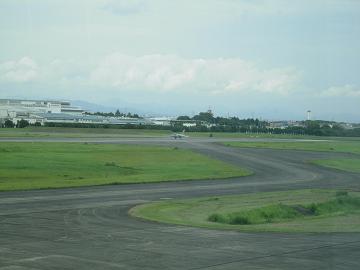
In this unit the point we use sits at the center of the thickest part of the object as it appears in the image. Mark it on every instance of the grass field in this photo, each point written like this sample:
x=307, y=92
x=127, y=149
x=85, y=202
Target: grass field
x=329, y=146
x=43, y=132
x=197, y=212
x=234, y=135
x=54, y=165
x=345, y=164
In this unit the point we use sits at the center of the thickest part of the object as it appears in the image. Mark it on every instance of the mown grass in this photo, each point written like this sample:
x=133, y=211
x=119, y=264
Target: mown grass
x=249, y=135
x=234, y=135
x=345, y=164
x=328, y=146
x=40, y=132
x=55, y=165
x=285, y=211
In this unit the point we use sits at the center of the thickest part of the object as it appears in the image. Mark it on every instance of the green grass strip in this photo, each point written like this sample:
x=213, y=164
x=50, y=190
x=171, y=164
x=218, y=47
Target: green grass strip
x=342, y=204
x=311, y=210
x=345, y=164
x=55, y=165
x=327, y=146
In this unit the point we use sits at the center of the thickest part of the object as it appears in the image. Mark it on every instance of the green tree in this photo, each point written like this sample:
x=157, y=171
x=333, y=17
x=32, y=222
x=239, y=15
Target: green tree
x=9, y=124
x=22, y=123
x=183, y=117
x=205, y=116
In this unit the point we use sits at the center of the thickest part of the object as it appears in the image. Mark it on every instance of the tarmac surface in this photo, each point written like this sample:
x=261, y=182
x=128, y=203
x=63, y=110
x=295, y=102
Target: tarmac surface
x=89, y=227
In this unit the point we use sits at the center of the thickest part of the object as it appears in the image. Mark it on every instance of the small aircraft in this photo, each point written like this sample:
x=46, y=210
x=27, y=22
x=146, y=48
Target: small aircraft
x=179, y=135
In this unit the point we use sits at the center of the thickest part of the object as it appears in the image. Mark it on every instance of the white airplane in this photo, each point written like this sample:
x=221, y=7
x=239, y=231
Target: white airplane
x=179, y=135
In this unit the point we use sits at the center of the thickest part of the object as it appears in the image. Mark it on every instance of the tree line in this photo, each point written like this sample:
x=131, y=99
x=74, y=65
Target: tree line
x=205, y=122
x=19, y=124
x=117, y=113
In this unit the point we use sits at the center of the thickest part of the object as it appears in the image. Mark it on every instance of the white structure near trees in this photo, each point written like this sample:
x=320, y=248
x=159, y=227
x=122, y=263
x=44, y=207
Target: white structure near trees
x=52, y=111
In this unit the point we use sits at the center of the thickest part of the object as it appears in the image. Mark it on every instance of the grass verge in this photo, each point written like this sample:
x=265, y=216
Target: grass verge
x=55, y=165
x=53, y=132
x=328, y=146
x=344, y=164
x=342, y=204
x=286, y=211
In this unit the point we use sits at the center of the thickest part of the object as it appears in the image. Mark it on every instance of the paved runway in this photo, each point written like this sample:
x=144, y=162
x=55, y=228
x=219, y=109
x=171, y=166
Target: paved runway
x=89, y=228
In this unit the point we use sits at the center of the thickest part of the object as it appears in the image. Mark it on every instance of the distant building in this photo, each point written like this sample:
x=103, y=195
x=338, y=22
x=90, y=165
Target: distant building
x=308, y=115
x=12, y=107
x=189, y=124
x=161, y=121
x=278, y=124
x=52, y=111
x=89, y=119
x=285, y=124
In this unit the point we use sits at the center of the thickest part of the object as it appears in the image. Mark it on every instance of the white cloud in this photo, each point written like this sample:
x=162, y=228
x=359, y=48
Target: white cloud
x=173, y=73
x=347, y=90
x=156, y=73
x=22, y=70
x=57, y=71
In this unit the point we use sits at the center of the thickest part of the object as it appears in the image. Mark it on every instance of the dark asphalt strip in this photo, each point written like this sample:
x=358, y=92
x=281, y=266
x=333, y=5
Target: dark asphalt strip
x=276, y=255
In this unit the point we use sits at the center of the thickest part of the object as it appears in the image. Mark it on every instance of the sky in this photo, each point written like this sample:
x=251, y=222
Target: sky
x=270, y=59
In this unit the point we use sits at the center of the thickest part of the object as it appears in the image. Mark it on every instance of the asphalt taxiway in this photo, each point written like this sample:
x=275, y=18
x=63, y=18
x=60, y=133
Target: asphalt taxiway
x=89, y=227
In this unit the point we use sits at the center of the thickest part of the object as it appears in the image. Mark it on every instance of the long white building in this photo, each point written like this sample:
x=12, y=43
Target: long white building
x=52, y=111
x=13, y=107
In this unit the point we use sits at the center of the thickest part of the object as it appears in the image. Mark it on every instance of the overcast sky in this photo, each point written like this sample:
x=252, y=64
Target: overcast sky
x=273, y=59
